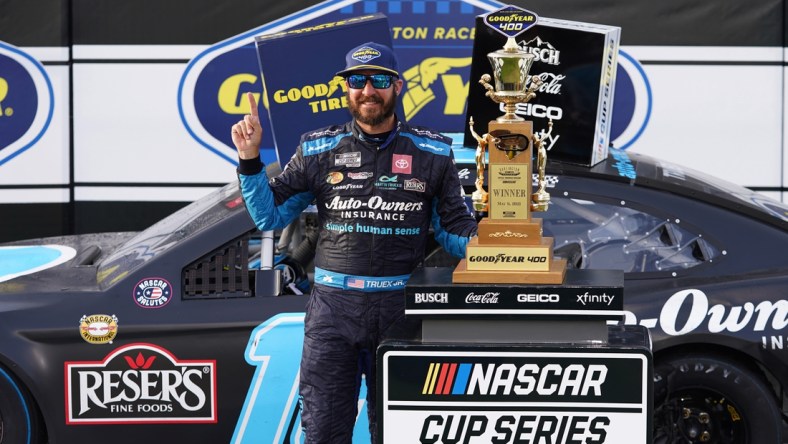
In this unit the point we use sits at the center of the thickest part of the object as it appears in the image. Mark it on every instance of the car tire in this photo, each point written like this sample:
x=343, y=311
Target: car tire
x=708, y=399
x=20, y=422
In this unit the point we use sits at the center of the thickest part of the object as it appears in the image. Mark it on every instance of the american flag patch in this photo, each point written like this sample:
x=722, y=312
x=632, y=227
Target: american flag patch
x=355, y=283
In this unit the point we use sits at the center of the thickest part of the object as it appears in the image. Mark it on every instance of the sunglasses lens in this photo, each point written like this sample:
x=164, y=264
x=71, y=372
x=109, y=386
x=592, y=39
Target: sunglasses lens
x=359, y=81
x=381, y=81
x=356, y=81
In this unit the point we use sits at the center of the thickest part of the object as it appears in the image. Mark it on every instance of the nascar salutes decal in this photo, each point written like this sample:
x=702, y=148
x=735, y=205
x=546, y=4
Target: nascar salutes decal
x=152, y=293
x=140, y=383
x=26, y=102
x=98, y=328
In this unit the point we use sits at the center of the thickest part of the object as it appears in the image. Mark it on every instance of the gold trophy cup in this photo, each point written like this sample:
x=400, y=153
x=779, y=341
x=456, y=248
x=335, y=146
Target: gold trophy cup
x=510, y=247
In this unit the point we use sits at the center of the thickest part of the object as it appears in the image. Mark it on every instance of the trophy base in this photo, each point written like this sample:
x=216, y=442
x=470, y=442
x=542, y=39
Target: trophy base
x=497, y=232
x=555, y=275
x=535, y=256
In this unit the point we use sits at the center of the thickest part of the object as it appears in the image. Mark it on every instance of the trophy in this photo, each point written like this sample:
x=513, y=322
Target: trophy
x=510, y=247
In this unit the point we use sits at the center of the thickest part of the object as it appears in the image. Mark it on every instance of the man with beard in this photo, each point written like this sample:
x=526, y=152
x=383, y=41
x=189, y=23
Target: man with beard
x=379, y=184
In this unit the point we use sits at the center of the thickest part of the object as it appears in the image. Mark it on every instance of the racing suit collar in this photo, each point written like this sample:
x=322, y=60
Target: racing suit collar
x=360, y=134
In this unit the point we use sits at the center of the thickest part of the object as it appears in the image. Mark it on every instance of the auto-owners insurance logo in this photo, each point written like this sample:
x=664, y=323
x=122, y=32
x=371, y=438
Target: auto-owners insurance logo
x=26, y=102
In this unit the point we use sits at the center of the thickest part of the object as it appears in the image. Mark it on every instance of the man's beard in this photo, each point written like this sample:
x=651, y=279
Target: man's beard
x=372, y=118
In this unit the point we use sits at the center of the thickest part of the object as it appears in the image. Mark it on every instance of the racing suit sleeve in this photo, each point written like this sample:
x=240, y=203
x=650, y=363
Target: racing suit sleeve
x=452, y=222
x=274, y=203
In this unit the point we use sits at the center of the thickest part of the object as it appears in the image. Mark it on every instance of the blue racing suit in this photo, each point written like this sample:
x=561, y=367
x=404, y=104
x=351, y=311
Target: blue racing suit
x=375, y=204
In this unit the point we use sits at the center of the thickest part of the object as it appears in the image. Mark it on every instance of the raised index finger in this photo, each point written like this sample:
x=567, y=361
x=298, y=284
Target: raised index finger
x=252, y=104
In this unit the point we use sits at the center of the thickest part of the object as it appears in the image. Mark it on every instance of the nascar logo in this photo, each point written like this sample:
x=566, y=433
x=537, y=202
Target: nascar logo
x=511, y=379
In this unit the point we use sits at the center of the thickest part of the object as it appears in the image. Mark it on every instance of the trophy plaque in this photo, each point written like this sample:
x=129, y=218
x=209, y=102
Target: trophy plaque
x=510, y=247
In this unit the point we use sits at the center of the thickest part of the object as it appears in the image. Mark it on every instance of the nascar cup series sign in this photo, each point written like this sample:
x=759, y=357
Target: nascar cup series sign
x=559, y=396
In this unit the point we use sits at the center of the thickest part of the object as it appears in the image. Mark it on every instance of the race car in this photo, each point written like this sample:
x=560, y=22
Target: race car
x=183, y=332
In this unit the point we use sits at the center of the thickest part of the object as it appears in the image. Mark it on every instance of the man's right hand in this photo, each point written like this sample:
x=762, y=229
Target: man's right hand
x=248, y=133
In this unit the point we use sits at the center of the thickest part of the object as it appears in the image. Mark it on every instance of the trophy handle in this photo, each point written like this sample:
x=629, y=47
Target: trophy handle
x=540, y=200
x=480, y=197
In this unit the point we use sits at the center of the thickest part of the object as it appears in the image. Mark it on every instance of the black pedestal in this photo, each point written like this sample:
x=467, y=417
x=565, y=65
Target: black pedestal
x=505, y=363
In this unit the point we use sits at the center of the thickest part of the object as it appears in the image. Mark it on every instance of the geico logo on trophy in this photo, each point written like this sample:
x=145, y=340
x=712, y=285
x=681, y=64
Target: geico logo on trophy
x=538, y=297
x=486, y=298
x=440, y=298
x=537, y=110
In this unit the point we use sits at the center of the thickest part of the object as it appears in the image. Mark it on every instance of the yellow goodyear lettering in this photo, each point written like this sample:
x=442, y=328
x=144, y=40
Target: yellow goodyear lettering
x=307, y=92
x=3, y=93
x=230, y=98
x=421, y=77
x=337, y=84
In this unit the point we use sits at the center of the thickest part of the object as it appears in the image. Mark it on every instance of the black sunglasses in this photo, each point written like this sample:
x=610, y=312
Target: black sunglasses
x=379, y=81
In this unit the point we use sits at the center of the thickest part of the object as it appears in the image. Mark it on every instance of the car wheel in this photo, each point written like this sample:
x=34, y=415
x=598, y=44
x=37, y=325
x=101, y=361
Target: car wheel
x=19, y=420
x=706, y=399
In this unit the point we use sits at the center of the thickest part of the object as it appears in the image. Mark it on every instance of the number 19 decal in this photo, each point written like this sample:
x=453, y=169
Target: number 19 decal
x=271, y=412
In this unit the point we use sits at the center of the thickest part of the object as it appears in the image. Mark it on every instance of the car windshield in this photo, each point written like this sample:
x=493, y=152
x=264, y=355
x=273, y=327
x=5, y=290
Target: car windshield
x=721, y=187
x=599, y=235
x=186, y=222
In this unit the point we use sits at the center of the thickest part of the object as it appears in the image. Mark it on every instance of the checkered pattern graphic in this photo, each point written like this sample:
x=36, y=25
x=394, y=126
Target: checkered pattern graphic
x=389, y=7
x=551, y=180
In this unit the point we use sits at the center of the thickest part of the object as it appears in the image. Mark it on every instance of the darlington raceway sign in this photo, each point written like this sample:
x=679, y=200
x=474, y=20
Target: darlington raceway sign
x=514, y=395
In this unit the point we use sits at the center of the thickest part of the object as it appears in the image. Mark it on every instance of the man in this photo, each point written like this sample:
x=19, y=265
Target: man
x=378, y=183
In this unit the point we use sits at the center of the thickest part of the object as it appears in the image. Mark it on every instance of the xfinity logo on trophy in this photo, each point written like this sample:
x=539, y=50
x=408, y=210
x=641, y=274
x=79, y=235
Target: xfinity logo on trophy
x=603, y=298
x=140, y=383
x=438, y=298
x=486, y=298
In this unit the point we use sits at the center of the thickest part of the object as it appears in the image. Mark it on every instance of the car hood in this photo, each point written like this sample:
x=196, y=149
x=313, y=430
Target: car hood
x=55, y=264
